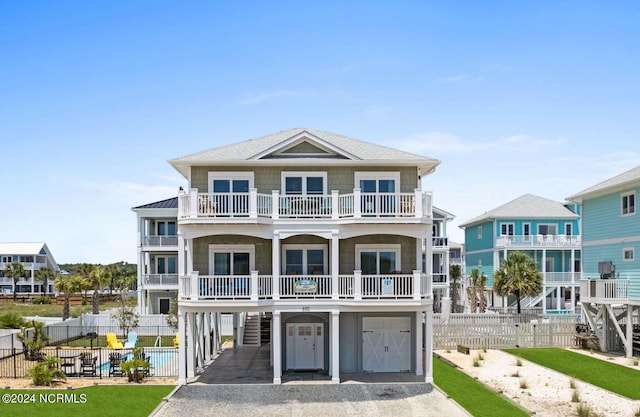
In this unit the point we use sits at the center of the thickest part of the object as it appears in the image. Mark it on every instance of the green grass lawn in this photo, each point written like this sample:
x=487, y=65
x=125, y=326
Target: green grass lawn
x=102, y=401
x=476, y=398
x=101, y=341
x=610, y=376
x=50, y=310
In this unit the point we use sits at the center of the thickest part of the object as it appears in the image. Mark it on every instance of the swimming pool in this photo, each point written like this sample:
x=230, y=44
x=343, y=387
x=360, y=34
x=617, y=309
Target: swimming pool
x=157, y=357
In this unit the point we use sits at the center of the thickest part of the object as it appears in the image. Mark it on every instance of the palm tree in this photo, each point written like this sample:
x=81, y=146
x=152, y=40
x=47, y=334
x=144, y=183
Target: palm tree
x=477, y=284
x=16, y=271
x=67, y=284
x=99, y=277
x=45, y=274
x=455, y=272
x=518, y=276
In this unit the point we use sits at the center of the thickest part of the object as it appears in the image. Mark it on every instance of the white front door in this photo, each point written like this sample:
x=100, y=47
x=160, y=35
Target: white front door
x=305, y=346
x=386, y=344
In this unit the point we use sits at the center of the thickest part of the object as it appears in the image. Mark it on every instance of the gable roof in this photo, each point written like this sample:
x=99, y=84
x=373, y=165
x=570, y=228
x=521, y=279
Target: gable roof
x=28, y=248
x=276, y=149
x=527, y=206
x=617, y=183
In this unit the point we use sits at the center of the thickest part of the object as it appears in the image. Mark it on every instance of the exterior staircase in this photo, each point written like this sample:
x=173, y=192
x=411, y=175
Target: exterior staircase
x=265, y=328
x=251, y=336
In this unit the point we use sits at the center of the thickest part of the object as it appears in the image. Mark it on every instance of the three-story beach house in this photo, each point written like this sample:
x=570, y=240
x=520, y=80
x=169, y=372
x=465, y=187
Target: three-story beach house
x=610, y=292
x=32, y=256
x=327, y=236
x=546, y=230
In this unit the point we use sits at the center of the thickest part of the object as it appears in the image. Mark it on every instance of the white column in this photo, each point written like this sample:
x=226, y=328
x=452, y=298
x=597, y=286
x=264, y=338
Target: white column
x=182, y=353
x=428, y=348
x=418, y=346
x=275, y=204
x=335, y=207
x=357, y=285
x=275, y=262
x=544, y=281
x=629, y=336
x=189, y=252
x=190, y=341
x=253, y=285
x=335, y=347
x=193, y=203
x=446, y=270
x=277, y=348
x=428, y=254
x=335, y=265
x=207, y=336
x=357, y=203
x=253, y=203
x=418, y=203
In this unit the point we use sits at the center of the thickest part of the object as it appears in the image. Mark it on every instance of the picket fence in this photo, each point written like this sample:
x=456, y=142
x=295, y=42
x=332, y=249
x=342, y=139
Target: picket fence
x=502, y=331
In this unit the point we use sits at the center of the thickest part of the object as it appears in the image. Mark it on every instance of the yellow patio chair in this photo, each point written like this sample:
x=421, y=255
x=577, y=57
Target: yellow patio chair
x=113, y=342
x=176, y=341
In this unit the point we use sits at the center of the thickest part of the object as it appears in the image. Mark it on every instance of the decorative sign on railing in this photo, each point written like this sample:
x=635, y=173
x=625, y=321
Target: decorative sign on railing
x=305, y=286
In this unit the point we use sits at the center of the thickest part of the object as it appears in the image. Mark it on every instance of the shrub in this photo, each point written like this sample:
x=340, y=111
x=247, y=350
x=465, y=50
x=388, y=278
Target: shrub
x=584, y=410
x=518, y=362
x=575, y=396
x=46, y=372
x=12, y=321
x=523, y=384
x=137, y=367
x=43, y=299
x=572, y=383
x=476, y=362
x=516, y=374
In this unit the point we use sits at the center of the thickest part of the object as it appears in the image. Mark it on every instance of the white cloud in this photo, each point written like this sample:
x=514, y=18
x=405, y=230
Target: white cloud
x=259, y=98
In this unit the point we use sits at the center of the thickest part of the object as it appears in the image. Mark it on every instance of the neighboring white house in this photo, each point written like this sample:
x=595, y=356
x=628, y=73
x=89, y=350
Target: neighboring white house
x=323, y=234
x=32, y=256
x=157, y=244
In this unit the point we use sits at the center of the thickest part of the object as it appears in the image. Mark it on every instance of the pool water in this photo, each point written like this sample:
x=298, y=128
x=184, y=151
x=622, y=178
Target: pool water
x=157, y=358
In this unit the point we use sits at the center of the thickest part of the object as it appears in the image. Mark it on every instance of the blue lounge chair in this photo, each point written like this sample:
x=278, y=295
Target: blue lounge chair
x=132, y=340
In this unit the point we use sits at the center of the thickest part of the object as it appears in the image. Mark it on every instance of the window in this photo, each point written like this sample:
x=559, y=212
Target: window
x=629, y=203
x=506, y=229
x=166, y=228
x=526, y=231
x=164, y=305
x=568, y=229
x=231, y=259
x=479, y=232
x=166, y=265
x=378, y=192
x=378, y=259
x=304, y=183
x=230, y=182
x=628, y=254
x=304, y=259
x=547, y=229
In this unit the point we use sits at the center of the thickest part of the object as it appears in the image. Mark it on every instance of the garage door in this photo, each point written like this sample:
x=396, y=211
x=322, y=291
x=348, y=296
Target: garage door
x=386, y=344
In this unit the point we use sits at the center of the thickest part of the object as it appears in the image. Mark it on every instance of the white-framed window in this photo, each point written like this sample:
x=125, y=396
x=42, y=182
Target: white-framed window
x=507, y=229
x=479, y=232
x=166, y=265
x=628, y=254
x=377, y=181
x=526, y=231
x=304, y=259
x=568, y=229
x=164, y=304
x=378, y=259
x=628, y=202
x=165, y=228
x=304, y=183
x=231, y=259
x=547, y=229
x=230, y=182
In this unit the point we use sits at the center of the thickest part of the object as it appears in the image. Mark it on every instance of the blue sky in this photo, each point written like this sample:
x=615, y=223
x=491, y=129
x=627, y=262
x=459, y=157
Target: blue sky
x=95, y=97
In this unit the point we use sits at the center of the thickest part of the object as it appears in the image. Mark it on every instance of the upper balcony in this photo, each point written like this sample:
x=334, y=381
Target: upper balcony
x=539, y=242
x=160, y=281
x=156, y=241
x=392, y=207
x=254, y=287
x=26, y=265
x=604, y=291
x=440, y=242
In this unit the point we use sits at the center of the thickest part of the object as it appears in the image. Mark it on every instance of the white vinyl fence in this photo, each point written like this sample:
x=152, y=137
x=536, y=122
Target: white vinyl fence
x=498, y=331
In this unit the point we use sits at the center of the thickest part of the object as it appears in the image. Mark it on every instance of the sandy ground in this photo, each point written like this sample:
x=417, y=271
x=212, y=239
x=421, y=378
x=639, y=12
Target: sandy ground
x=82, y=382
x=548, y=393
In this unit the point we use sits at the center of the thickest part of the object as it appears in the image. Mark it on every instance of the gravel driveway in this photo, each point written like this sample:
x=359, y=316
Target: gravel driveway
x=309, y=400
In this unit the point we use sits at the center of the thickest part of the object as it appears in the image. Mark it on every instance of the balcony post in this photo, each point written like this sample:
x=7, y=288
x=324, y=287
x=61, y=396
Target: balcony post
x=357, y=285
x=195, y=285
x=275, y=204
x=335, y=209
x=335, y=265
x=417, y=279
x=275, y=261
x=357, y=203
x=253, y=285
x=193, y=203
x=427, y=204
x=253, y=203
x=418, y=202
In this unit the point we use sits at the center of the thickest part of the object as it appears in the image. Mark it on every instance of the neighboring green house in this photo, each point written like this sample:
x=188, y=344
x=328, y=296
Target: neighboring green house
x=611, y=239
x=547, y=230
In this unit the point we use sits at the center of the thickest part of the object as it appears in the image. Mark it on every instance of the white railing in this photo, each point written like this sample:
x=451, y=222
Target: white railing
x=539, y=241
x=440, y=278
x=305, y=286
x=414, y=286
x=160, y=241
x=604, y=290
x=440, y=241
x=161, y=279
x=562, y=277
x=194, y=204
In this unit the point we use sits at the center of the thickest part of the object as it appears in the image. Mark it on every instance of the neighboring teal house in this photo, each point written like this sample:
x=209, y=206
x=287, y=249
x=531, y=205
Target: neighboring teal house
x=610, y=293
x=547, y=230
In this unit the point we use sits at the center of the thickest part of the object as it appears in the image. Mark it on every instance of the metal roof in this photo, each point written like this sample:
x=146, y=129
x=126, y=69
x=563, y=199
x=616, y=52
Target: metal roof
x=169, y=203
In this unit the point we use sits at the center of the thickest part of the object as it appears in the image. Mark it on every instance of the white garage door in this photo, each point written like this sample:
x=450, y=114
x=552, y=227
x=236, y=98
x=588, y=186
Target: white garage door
x=386, y=344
